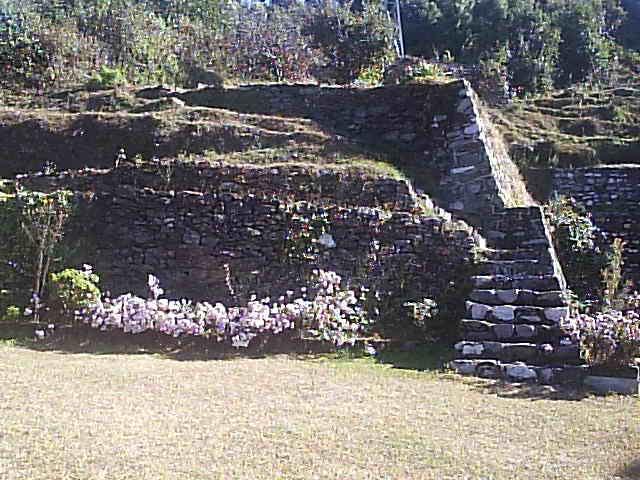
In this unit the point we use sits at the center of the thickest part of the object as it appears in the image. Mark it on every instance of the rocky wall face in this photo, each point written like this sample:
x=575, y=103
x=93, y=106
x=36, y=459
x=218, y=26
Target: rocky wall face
x=198, y=241
x=480, y=177
x=612, y=195
x=293, y=183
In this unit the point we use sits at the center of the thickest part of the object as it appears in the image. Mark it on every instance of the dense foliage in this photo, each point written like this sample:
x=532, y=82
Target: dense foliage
x=32, y=225
x=538, y=43
x=581, y=247
x=71, y=41
x=607, y=320
x=75, y=289
x=610, y=338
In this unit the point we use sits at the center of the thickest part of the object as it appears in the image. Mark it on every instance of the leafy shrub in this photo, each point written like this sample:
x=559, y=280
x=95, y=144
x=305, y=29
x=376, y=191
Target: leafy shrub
x=12, y=314
x=425, y=73
x=423, y=314
x=270, y=45
x=579, y=245
x=333, y=314
x=75, y=289
x=107, y=78
x=350, y=41
x=587, y=29
x=31, y=227
x=371, y=76
x=24, y=59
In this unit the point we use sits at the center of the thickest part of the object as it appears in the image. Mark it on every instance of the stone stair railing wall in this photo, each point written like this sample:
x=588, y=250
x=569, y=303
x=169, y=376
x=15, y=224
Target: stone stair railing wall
x=612, y=195
x=516, y=314
x=480, y=177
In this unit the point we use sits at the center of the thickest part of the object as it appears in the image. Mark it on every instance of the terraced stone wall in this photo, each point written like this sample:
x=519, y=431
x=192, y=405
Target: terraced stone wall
x=440, y=126
x=187, y=236
x=612, y=195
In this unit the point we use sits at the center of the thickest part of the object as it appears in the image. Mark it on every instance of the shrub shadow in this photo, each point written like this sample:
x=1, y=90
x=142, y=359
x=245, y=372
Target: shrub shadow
x=631, y=471
x=431, y=357
x=86, y=340
x=82, y=339
x=531, y=391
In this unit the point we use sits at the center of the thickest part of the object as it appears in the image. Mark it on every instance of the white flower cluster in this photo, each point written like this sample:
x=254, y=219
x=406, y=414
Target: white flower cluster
x=334, y=314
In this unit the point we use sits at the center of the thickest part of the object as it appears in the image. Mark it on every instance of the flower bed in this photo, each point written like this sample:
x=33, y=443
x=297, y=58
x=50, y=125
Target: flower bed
x=334, y=314
x=609, y=339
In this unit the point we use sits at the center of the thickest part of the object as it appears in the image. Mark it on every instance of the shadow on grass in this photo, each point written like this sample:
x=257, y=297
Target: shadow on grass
x=428, y=357
x=631, y=471
x=86, y=340
x=532, y=391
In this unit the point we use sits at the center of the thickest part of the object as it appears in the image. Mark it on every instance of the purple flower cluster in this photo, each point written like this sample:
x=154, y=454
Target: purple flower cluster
x=334, y=314
x=610, y=338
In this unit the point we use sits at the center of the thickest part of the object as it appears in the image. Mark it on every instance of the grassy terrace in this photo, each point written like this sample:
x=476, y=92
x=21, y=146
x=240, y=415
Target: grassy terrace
x=108, y=414
x=576, y=127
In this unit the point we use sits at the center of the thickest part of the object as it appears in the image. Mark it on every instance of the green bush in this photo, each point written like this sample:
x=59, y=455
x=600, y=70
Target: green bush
x=107, y=78
x=75, y=289
x=12, y=314
x=580, y=246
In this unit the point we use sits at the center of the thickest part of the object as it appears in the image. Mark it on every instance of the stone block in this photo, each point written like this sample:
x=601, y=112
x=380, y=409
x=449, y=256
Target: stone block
x=504, y=313
x=463, y=367
x=478, y=311
x=503, y=332
x=520, y=372
x=556, y=314
x=525, y=331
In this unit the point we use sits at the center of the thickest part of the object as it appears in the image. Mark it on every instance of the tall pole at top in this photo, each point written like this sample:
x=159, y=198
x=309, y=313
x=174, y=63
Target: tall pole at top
x=400, y=33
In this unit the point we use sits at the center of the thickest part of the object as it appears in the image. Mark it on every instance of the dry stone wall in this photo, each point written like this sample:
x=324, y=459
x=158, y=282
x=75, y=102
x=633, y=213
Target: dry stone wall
x=187, y=236
x=439, y=127
x=612, y=195
x=481, y=178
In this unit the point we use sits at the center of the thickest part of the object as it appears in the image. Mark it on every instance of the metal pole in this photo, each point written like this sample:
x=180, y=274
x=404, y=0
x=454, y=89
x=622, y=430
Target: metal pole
x=399, y=27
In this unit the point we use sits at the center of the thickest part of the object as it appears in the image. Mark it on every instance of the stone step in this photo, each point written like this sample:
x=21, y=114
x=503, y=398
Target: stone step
x=532, y=353
x=514, y=296
x=538, y=283
x=520, y=371
x=541, y=253
x=516, y=313
x=481, y=330
x=515, y=267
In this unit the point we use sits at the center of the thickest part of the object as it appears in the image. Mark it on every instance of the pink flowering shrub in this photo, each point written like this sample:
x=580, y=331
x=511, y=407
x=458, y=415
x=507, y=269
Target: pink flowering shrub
x=610, y=338
x=334, y=314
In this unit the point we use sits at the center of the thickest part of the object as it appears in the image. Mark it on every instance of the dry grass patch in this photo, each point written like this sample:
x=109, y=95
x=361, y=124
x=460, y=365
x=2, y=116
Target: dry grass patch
x=81, y=416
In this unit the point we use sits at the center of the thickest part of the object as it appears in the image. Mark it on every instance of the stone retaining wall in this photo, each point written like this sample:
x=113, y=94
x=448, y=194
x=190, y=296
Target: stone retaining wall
x=612, y=195
x=285, y=182
x=186, y=237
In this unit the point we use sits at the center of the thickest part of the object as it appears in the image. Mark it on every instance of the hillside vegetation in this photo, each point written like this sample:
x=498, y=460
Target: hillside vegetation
x=579, y=126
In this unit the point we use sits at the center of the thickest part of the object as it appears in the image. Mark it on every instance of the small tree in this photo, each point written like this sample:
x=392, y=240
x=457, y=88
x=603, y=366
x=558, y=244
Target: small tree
x=43, y=217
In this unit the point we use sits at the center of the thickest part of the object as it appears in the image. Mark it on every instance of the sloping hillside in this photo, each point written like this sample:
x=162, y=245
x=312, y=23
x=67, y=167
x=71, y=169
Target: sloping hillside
x=575, y=127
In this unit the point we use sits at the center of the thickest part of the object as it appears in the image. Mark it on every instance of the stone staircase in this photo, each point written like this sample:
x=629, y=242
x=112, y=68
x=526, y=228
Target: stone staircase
x=515, y=325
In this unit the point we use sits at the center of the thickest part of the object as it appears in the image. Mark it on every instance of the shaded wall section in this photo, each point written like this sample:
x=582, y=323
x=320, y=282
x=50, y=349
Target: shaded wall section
x=612, y=195
x=262, y=230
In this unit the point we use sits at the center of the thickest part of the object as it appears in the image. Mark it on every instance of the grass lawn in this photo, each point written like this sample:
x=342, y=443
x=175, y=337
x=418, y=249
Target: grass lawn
x=144, y=416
